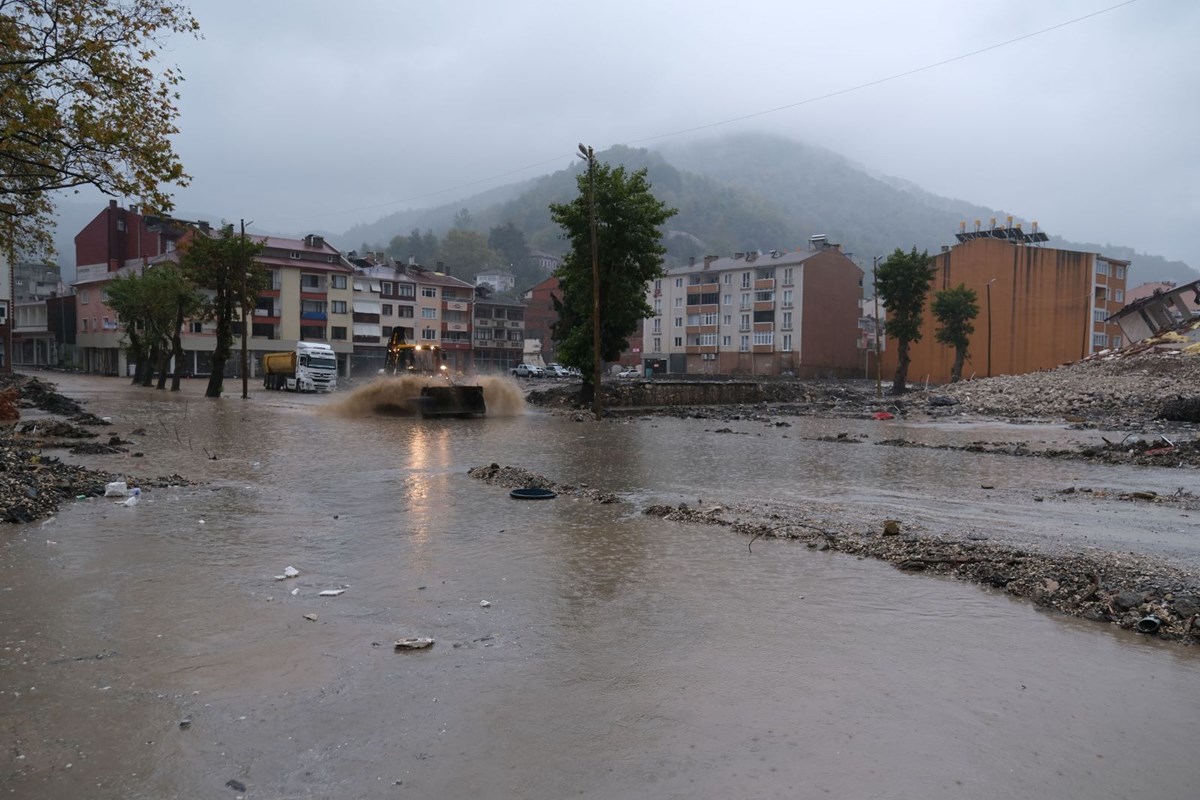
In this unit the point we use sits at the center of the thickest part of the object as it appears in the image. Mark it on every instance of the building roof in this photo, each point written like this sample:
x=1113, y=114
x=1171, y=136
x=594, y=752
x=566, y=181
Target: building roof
x=496, y=300
x=774, y=258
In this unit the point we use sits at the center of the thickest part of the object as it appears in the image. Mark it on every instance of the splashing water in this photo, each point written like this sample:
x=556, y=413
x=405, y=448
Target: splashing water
x=394, y=396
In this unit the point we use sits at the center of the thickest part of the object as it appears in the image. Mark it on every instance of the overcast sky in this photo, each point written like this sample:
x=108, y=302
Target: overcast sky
x=318, y=115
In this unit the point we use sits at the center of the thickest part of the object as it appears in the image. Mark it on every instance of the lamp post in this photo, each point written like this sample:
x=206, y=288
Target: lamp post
x=589, y=155
x=878, y=364
x=243, y=302
x=989, y=334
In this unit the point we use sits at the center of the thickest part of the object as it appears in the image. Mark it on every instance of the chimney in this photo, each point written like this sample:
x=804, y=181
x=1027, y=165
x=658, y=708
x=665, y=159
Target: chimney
x=709, y=260
x=739, y=254
x=692, y=261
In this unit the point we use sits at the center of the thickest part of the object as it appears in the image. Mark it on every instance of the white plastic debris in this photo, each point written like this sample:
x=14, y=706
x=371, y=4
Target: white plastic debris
x=484, y=604
x=135, y=495
x=116, y=489
x=311, y=617
x=295, y=591
x=414, y=643
x=288, y=572
x=330, y=592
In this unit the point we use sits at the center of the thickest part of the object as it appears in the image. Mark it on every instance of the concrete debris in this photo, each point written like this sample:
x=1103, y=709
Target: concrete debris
x=330, y=592
x=414, y=643
x=519, y=478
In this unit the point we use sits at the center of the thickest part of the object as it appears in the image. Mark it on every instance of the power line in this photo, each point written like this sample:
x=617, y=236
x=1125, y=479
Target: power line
x=731, y=120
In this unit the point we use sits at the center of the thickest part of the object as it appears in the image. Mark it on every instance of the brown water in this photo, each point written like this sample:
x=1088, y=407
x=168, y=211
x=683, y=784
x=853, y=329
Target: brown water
x=621, y=656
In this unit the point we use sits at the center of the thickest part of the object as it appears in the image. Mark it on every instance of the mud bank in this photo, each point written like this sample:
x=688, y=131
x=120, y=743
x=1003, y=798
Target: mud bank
x=34, y=485
x=1133, y=592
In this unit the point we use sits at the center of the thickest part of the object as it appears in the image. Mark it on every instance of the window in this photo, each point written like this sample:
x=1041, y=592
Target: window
x=429, y=334
x=745, y=299
x=386, y=309
x=1114, y=342
x=293, y=254
x=705, y=340
x=338, y=333
x=727, y=319
x=679, y=322
x=787, y=298
x=658, y=285
x=787, y=276
x=428, y=313
x=310, y=283
x=405, y=312
x=386, y=287
x=726, y=341
x=1119, y=294
x=406, y=290
x=764, y=296
x=745, y=325
x=428, y=291
x=83, y=296
x=1120, y=276
x=337, y=306
x=1099, y=315
x=787, y=342
x=1101, y=267
x=787, y=322
x=1099, y=340
x=679, y=302
x=679, y=283
x=85, y=324
x=658, y=305
x=679, y=341
x=337, y=281
x=195, y=327
x=744, y=343
x=708, y=319
x=657, y=327
x=764, y=337
x=657, y=345
x=387, y=331
x=727, y=300
x=727, y=277
x=745, y=280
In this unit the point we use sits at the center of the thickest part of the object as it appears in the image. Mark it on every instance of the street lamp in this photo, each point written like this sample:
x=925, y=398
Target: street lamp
x=587, y=154
x=989, y=342
x=878, y=364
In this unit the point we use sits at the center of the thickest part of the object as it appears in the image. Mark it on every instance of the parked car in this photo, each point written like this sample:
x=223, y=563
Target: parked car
x=630, y=372
x=528, y=371
x=557, y=371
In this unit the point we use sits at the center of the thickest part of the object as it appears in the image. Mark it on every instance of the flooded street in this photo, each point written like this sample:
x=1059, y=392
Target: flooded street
x=621, y=656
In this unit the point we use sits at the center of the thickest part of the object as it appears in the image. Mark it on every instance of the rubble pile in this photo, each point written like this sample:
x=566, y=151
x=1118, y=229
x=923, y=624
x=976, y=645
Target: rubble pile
x=33, y=485
x=1118, y=389
x=520, y=478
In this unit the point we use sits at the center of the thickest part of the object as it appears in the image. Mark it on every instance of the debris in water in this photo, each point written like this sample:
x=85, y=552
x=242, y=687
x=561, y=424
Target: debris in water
x=311, y=617
x=237, y=786
x=116, y=489
x=288, y=572
x=135, y=495
x=414, y=643
x=891, y=527
x=295, y=591
x=330, y=592
x=484, y=604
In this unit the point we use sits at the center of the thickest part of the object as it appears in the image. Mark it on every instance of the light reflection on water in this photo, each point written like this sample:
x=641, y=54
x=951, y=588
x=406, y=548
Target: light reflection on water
x=622, y=656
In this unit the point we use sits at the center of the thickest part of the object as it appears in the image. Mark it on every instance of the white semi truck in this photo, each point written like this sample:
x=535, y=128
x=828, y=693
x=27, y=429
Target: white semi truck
x=311, y=367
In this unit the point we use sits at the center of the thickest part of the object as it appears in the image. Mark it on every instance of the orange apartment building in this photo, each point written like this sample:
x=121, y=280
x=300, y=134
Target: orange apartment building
x=1039, y=307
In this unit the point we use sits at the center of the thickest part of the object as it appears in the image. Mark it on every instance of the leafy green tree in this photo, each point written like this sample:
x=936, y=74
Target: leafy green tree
x=127, y=297
x=153, y=307
x=85, y=102
x=508, y=241
x=463, y=221
x=955, y=310
x=629, y=242
x=903, y=283
x=467, y=252
x=224, y=264
x=421, y=247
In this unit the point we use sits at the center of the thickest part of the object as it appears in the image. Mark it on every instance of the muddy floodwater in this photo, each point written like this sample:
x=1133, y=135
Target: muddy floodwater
x=149, y=652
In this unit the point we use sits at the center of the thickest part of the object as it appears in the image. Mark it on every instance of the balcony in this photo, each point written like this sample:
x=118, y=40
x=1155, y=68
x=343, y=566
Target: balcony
x=454, y=305
x=764, y=284
x=318, y=316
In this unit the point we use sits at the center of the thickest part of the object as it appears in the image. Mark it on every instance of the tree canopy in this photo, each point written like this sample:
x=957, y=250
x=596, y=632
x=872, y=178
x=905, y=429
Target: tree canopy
x=84, y=101
x=629, y=242
x=955, y=309
x=903, y=283
x=153, y=307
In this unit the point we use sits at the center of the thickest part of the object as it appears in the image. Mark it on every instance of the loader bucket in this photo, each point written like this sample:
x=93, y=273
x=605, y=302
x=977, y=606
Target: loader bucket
x=452, y=401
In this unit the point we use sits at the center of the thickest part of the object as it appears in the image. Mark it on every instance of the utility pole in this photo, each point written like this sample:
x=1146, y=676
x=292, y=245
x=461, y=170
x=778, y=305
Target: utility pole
x=589, y=155
x=245, y=333
x=878, y=363
x=989, y=307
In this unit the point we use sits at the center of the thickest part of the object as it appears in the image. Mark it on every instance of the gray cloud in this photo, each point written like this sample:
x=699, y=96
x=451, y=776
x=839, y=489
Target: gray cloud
x=306, y=115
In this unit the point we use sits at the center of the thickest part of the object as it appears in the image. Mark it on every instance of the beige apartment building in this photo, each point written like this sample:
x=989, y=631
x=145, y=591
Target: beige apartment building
x=775, y=313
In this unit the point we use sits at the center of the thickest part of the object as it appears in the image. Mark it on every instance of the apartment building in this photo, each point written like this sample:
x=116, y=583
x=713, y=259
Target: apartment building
x=540, y=317
x=499, y=324
x=757, y=314
x=6, y=297
x=1039, y=306
x=444, y=315
x=34, y=343
x=385, y=298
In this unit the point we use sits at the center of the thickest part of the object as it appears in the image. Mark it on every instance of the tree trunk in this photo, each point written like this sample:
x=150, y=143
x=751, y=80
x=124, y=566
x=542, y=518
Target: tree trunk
x=216, y=378
x=587, y=393
x=960, y=356
x=177, y=354
x=151, y=359
x=900, y=383
x=164, y=357
x=135, y=350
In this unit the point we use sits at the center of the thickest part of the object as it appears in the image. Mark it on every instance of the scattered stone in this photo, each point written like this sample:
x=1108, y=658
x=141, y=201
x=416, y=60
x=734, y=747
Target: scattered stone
x=311, y=617
x=414, y=643
x=330, y=592
x=891, y=527
x=236, y=785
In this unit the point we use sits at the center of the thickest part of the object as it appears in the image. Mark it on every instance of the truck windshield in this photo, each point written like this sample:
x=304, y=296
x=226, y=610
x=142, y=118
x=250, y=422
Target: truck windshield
x=321, y=362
